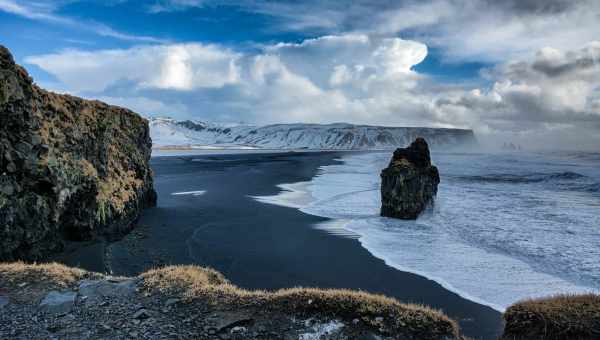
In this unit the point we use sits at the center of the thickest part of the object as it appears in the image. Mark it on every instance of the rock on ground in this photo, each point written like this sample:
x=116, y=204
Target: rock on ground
x=119, y=315
x=51, y=301
x=3, y=301
x=95, y=289
x=409, y=183
x=58, y=302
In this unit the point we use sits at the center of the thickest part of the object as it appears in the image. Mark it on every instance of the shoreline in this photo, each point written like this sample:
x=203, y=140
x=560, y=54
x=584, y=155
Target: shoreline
x=227, y=229
x=296, y=195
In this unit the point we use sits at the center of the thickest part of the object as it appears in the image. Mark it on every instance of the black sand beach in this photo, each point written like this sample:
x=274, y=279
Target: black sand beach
x=262, y=246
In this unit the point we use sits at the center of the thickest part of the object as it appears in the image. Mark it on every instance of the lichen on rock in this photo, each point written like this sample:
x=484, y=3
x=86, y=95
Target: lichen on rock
x=409, y=183
x=69, y=168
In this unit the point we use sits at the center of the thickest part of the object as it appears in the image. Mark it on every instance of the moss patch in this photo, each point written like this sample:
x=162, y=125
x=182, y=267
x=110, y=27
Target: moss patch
x=86, y=160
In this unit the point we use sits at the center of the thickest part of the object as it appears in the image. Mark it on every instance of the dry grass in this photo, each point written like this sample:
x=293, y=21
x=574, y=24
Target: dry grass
x=182, y=279
x=192, y=282
x=195, y=284
x=51, y=275
x=557, y=317
x=29, y=283
x=68, y=124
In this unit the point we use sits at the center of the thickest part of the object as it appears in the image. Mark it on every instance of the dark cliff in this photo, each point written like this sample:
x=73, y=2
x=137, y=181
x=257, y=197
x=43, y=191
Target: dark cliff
x=70, y=169
x=409, y=183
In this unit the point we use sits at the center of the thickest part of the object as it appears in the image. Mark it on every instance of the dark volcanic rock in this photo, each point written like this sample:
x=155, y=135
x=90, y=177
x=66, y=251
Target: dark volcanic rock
x=409, y=183
x=69, y=168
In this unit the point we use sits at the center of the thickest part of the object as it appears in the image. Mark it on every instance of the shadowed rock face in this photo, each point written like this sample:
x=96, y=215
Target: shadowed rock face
x=69, y=168
x=409, y=183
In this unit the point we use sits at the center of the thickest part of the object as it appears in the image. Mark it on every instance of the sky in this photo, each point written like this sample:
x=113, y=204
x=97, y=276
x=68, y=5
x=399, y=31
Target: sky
x=523, y=71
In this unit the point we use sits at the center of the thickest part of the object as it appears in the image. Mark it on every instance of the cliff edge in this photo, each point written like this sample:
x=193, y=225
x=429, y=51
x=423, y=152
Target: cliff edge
x=189, y=302
x=70, y=169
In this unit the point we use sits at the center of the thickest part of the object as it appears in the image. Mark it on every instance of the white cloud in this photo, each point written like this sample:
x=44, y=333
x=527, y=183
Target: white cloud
x=143, y=104
x=174, y=5
x=38, y=11
x=45, y=11
x=353, y=60
x=179, y=66
x=354, y=78
x=556, y=92
x=477, y=31
x=284, y=82
x=473, y=30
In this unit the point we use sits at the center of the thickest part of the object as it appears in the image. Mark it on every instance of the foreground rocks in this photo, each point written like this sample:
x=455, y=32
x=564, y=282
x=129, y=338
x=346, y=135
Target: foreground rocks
x=51, y=301
x=409, y=183
x=188, y=302
x=69, y=168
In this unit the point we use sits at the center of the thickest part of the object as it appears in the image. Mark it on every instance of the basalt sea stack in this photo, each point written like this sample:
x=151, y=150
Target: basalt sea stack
x=69, y=168
x=409, y=183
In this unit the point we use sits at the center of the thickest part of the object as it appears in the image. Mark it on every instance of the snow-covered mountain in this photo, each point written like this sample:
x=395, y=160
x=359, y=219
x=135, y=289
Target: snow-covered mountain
x=167, y=132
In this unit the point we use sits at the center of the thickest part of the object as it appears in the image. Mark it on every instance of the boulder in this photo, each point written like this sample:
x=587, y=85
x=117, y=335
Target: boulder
x=70, y=169
x=96, y=289
x=59, y=303
x=3, y=301
x=409, y=183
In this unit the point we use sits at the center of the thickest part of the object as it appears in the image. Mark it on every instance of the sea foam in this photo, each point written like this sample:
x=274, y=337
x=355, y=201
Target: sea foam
x=493, y=242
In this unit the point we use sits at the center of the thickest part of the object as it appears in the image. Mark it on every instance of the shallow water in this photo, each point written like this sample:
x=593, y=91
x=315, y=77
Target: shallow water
x=504, y=227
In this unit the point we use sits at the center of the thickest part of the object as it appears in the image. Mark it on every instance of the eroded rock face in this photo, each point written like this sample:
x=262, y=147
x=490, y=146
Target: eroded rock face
x=69, y=168
x=409, y=183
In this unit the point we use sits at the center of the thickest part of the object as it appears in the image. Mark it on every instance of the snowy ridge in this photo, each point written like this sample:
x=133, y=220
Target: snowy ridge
x=168, y=132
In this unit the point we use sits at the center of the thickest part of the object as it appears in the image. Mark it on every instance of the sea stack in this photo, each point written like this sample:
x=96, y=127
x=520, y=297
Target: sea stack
x=409, y=183
x=70, y=169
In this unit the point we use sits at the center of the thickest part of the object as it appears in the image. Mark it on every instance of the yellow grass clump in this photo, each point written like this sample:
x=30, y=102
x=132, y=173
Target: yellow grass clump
x=556, y=317
x=182, y=279
x=52, y=275
x=203, y=285
x=379, y=311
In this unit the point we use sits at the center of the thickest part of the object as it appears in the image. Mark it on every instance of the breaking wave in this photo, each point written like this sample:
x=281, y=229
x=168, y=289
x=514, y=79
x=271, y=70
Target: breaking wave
x=504, y=228
x=524, y=178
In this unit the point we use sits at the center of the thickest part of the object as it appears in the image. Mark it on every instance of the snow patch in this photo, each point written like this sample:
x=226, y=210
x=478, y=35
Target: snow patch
x=319, y=330
x=292, y=195
x=191, y=193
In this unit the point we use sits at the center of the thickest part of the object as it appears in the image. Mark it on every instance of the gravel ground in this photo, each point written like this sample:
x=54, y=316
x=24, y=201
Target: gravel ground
x=119, y=309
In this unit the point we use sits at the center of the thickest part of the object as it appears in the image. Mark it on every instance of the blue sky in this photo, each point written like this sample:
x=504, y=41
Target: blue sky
x=227, y=25
x=514, y=68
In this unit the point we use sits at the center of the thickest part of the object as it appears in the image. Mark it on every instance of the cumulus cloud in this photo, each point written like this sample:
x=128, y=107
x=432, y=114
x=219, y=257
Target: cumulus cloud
x=556, y=91
x=331, y=78
x=473, y=30
x=179, y=66
x=352, y=77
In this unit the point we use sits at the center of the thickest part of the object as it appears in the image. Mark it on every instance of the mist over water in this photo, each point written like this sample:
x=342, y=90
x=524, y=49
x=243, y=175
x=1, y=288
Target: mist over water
x=505, y=226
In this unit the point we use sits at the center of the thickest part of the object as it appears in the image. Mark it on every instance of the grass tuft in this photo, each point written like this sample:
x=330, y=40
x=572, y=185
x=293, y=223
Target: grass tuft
x=49, y=275
x=195, y=284
x=556, y=317
x=182, y=279
x=378, y=311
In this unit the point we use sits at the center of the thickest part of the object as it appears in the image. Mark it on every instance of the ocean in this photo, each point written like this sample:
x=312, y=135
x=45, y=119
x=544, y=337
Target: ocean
x=504, y=227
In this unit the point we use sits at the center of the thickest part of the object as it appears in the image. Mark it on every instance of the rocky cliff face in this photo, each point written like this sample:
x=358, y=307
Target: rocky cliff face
x=409, y=183
x=69, y=168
